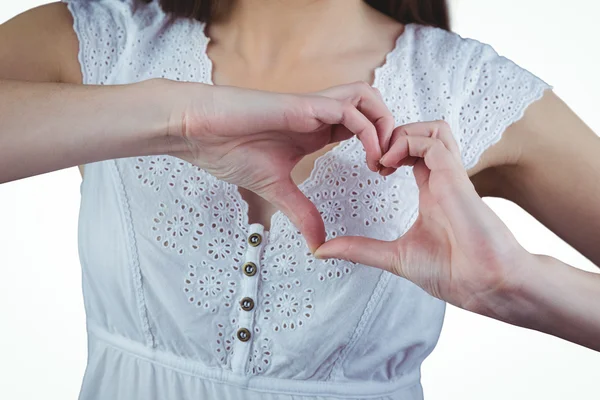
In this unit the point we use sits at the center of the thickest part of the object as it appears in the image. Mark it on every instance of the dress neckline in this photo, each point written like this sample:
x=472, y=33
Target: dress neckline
x=346, y=145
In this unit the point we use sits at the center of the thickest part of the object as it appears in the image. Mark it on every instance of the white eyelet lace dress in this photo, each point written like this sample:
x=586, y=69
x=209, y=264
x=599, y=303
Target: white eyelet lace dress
x=187, y=300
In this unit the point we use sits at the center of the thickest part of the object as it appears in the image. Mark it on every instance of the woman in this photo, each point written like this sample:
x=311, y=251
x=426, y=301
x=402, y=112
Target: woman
x=194, y=289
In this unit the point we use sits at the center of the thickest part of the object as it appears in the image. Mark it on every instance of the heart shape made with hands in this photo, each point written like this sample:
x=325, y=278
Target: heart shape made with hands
x=254, y=139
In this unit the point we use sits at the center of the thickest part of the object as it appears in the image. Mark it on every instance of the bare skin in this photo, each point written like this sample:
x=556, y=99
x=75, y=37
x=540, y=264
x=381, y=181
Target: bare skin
x=547, y=162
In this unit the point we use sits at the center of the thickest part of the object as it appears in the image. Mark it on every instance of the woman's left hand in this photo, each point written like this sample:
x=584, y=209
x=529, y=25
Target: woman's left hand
x=458, y=250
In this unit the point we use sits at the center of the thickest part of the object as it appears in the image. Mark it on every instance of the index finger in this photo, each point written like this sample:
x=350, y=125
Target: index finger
x=338, y=112
x=369, y=101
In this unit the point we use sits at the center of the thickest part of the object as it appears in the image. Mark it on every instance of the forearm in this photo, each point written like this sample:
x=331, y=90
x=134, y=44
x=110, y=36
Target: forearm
x=550, y=297
x=46, y=126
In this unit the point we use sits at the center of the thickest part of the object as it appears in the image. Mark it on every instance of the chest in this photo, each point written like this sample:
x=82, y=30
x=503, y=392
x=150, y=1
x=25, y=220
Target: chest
x=310, y=75
x=410, y=92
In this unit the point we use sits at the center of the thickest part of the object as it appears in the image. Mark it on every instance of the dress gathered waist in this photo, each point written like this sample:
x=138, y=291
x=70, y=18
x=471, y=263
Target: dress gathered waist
x=164, y=360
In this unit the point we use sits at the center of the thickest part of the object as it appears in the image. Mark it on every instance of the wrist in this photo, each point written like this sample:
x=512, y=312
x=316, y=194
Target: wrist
x=507, y=297
x=163, y=105
x=549, y=296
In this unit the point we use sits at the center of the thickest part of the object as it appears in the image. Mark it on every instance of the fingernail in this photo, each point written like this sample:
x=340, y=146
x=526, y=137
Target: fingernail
x=318, y=255
x=382, y=160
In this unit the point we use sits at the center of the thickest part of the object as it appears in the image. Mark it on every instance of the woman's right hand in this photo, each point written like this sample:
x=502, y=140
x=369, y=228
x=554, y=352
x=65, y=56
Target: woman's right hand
x=254, y=139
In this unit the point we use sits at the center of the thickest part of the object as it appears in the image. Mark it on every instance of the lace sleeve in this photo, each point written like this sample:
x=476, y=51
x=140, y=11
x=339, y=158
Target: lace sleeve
x=102, y=29
x=494, y=93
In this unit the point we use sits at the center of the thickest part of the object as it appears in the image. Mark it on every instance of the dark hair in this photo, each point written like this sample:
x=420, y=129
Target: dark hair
x=425, y=12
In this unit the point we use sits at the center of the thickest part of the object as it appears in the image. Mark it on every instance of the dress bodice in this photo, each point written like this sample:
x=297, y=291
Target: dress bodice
x=181, y=291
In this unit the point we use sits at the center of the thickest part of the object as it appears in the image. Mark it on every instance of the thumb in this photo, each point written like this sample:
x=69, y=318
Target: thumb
x=300, y=210
x=361, y=250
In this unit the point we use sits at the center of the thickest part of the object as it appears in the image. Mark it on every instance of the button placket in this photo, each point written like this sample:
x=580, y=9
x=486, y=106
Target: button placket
x=247, y=300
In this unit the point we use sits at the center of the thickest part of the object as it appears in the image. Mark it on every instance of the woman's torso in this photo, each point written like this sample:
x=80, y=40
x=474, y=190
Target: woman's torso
x=163, y=245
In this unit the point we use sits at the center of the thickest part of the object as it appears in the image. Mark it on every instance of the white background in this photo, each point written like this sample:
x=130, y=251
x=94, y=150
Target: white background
x=42, y=326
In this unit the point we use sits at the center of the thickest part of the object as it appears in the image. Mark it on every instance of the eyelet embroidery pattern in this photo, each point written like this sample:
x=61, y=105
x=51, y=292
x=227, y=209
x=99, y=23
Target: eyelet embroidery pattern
x=495, y=92
x=329, y=269
x=260, y=358
x=223, y=344
x=280, y=262
x=336, y=175
x=223, y=212
x=332, y=205
x=334, y=269
x=152, y=171
x=188, y=180
x=101, y=60
x=290, y=235
x=331, y=211
x=335, y=273
x=226, y=246
x=286, y=308
x=377, y=205
x=284, y=264
x=208, y=287
x=220, y=246
x=279, y=259
x=177, y=227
